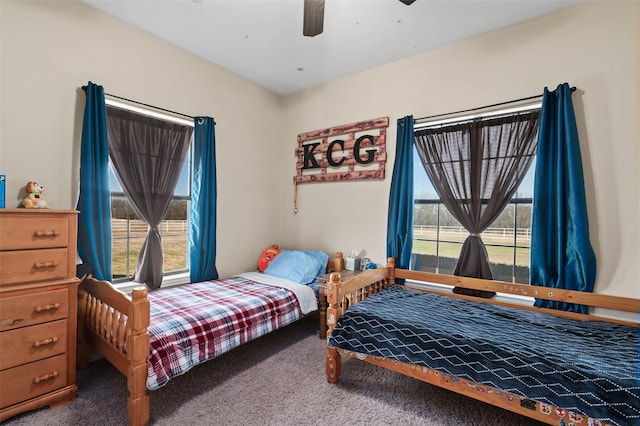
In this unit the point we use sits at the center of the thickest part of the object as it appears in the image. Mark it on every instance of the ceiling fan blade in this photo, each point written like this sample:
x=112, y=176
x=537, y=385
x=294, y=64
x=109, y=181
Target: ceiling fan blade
x=313, y=22
x=407, y=2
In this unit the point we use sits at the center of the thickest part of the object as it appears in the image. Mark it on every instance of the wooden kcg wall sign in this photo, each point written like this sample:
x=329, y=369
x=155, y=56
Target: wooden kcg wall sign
x=348, y=152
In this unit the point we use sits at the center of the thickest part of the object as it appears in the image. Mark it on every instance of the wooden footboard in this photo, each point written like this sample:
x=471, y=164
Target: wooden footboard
x=341, y=295
x=116, y=325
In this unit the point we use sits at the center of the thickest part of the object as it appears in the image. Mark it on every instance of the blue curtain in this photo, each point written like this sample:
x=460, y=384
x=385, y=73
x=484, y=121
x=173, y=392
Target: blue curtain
x=561, y=253
x=400, y=216
x=202, y=232
x=94, y=203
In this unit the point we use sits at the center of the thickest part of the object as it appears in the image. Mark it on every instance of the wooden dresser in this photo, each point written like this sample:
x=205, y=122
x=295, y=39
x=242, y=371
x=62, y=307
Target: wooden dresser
x=38, y=309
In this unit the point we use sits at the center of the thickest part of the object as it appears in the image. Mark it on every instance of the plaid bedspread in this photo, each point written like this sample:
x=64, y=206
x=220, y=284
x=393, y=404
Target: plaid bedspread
x=586, y=367
x=196, y=322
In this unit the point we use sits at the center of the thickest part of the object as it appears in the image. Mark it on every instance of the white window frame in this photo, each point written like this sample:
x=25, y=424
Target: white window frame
x=172, y=277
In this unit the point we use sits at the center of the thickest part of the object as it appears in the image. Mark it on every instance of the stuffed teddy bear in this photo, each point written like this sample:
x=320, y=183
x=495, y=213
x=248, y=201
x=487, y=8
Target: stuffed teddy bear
x=34, y=199
x=267, y=256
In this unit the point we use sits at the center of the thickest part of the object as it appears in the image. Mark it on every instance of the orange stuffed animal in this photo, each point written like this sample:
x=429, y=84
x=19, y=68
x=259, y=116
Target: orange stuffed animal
x=34, y=199
x=267, y=256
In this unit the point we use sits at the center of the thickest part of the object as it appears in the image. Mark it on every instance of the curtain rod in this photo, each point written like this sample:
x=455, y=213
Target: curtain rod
x=573, y=89
x=143, y=104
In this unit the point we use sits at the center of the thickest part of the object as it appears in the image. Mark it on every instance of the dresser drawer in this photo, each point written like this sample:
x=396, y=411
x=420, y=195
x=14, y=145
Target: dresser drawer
x=29, y=232
x=33, y=308
x=33, y=343
x=32, y=265
x=30, y=380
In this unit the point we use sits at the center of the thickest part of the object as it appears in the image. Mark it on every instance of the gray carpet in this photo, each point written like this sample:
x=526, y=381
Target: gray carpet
x=276, y=380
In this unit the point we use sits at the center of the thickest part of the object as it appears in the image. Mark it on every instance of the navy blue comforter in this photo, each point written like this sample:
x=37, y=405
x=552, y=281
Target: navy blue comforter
x=587, y=367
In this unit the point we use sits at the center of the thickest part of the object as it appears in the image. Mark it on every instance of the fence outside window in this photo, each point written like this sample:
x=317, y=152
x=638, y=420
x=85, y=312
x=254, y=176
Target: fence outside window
x=128, y=233
x=438, y=239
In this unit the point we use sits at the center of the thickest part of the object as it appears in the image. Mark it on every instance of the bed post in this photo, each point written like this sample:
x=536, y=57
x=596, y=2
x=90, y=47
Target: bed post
x=137, y=353
x=338, y=263
x=83, y=345
x=391, y=264
x=334, y=295
x=333, y=265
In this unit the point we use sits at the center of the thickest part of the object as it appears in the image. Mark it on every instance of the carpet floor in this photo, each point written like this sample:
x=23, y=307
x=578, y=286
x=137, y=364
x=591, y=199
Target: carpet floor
x=278, y=379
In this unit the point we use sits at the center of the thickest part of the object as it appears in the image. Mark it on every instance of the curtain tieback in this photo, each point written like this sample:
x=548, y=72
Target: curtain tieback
x=473, y=234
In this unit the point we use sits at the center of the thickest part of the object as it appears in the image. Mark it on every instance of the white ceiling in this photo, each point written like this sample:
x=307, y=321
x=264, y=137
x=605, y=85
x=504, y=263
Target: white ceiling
x=262, y=41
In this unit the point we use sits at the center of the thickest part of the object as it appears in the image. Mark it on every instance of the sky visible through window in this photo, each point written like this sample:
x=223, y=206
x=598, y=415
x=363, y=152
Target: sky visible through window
x=423, y=189
x=181, y=189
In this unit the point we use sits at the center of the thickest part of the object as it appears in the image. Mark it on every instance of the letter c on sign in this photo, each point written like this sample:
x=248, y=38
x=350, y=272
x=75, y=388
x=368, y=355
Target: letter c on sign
x=330, y=160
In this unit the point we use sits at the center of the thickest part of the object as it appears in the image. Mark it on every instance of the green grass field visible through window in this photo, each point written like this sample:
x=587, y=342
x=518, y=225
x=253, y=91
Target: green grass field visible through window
x=174, y=244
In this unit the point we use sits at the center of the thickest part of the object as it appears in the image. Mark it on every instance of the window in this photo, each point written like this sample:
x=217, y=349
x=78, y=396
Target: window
x=438, y=236
x=129, y=231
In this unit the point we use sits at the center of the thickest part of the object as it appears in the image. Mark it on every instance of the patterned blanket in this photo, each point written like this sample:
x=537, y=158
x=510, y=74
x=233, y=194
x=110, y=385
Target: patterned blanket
x=577, y=365
x=196, y=322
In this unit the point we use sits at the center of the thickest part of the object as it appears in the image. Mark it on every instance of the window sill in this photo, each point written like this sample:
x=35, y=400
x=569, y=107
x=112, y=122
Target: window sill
x=168, y=281
x=504, y=297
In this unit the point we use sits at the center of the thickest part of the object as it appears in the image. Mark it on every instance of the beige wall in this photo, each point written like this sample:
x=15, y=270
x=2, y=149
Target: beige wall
x=592, y=46
x=50, y=49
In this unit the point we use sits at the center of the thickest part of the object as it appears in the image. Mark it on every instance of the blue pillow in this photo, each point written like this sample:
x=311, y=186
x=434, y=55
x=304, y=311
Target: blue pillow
x=300, y=266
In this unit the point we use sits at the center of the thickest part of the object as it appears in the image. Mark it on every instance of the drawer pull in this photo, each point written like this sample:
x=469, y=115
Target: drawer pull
x=44, y=265
x=41, y=234
x=49, y=376
x=48, y=341
x=44, y=308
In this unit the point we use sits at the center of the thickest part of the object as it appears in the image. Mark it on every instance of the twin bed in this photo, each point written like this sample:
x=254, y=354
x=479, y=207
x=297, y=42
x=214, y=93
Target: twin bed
x=557, y=367
x=153, y=337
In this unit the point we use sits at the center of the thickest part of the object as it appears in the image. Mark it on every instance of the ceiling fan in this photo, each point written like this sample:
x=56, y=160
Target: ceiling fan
x=313, y=22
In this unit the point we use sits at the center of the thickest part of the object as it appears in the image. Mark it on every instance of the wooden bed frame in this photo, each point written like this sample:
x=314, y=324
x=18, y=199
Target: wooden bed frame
x=342, y=294
x=115, y=324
